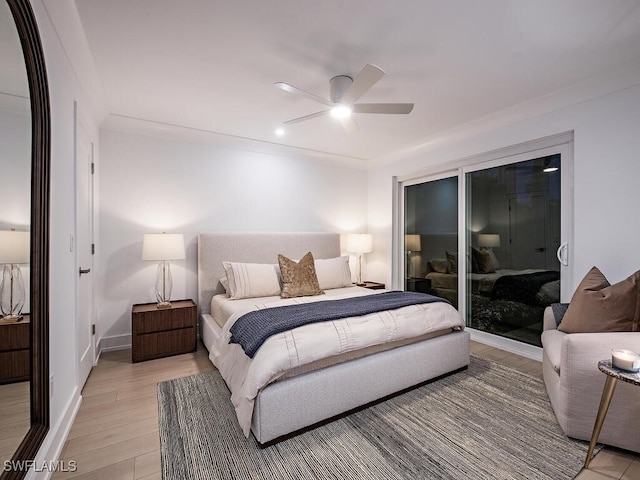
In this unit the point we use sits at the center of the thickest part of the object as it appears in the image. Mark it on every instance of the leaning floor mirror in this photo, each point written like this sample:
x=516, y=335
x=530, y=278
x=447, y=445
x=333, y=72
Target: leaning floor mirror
x=24, y=239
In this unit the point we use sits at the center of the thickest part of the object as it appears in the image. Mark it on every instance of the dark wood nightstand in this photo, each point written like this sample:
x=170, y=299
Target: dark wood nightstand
x=15, y=344
x=162, y=332
x=373, y=285
x=416, y=284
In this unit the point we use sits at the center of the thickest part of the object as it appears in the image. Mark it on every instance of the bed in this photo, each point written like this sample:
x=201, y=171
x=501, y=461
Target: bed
x=317, y=390
x=504, y=302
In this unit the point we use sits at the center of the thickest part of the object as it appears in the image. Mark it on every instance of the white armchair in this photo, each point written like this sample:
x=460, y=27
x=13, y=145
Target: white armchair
x=574, y=384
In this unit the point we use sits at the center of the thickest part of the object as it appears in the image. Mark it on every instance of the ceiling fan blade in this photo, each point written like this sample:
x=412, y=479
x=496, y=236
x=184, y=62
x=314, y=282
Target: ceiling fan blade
x=350, y=125
x=398, y=108
x=306, y=117
x=291, y=89
x=366, y=79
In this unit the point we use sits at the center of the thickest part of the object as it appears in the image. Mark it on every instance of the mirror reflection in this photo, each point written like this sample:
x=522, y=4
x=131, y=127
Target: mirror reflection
x=15, y=207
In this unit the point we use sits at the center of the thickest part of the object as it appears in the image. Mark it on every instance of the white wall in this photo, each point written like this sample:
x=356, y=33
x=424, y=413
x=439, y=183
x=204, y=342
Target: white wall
x=150, y=184
x=606, y=193
x=15, y=158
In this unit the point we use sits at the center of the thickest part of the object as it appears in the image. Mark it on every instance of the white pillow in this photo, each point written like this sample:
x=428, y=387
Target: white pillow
x=333, y=272
x=248, y=280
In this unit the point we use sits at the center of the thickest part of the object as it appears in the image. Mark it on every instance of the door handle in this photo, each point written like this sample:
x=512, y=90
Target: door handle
x=82, y=271
x=563, y=258
x=540, y=249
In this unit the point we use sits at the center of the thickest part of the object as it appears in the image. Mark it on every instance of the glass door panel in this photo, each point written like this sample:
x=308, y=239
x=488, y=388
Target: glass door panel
x=513, y=231
x=431, y=238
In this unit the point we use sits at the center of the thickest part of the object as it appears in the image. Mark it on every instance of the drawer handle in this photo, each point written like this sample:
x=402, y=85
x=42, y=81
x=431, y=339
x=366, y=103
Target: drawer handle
x=82, y=271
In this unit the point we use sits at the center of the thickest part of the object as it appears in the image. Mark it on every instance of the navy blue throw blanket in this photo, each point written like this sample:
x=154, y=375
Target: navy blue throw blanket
x=252, y=329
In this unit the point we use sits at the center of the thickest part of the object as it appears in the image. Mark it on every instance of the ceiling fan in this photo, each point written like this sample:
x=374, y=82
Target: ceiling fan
x=344, y=91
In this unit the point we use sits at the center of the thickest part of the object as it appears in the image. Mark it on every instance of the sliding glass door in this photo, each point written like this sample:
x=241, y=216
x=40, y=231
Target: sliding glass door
x=431, y=237
x=513, y=234
x=492, y=237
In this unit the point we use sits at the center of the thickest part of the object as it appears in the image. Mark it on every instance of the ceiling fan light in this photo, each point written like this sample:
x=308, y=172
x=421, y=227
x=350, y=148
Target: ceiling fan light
x=341, y=111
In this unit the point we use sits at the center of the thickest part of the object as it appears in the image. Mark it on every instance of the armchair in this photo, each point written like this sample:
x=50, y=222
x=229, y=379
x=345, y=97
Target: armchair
x=574, y=384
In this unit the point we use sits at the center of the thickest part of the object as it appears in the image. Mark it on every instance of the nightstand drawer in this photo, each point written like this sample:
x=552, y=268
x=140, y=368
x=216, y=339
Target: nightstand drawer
x=15, y=339
x=163, y=344
x=15, y=366
x=162, y=320
x=14, y=336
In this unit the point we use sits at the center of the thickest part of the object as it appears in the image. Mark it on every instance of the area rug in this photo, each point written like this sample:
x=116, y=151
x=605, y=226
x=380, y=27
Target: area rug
x=487, y=422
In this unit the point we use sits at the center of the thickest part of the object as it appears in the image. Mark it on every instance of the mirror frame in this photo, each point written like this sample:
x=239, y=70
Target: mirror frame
x=40, y=166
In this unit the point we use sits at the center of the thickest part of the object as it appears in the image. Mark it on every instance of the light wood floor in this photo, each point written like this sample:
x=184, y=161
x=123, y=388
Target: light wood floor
x=14, y=416
x=115, y=434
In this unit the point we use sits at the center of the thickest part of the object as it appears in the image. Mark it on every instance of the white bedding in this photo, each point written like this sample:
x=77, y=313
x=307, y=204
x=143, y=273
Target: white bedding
x=312, y=343
x=223, y=307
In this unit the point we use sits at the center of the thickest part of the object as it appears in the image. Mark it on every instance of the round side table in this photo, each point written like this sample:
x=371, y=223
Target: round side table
x=613, y=375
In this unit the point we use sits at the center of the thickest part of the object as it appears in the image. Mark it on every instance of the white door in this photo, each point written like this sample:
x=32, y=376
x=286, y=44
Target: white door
x=84, y=252
x=528, y=231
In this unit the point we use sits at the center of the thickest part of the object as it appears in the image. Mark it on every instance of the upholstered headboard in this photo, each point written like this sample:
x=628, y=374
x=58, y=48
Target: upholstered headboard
x=253, y=247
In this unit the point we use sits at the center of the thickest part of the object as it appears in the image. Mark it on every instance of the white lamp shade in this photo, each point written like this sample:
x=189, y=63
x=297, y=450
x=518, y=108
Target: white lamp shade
x=359, y=243
x=163, y=246
x=489, y=240
x=412, y=243
x=14, y=247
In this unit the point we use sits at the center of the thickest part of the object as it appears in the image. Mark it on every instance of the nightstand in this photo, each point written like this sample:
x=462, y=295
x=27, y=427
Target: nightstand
x=416, y=284
x=15, y=340
x=373, y=285
x=162, y=332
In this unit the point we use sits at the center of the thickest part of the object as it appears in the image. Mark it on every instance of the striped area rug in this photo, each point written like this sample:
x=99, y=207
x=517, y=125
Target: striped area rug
x=488, y=422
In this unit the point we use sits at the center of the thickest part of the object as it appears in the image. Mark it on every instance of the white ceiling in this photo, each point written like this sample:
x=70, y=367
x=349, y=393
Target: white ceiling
x=210, y=65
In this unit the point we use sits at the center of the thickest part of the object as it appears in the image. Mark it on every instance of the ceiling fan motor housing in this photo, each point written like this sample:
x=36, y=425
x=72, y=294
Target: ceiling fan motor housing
x=337, y=86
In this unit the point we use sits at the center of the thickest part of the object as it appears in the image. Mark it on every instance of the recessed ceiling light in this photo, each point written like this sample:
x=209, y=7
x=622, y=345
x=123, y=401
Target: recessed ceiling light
x=279, y=131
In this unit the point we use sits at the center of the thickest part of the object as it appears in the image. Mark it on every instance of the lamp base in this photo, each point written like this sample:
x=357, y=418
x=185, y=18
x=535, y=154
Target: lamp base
x=164, y=305
x=11, y=319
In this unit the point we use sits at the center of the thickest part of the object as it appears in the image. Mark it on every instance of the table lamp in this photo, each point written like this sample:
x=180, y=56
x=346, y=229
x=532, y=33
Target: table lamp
x=359, y=243
x=412, y=243
x=14, y=250
x=162, y=247
x=488, y=240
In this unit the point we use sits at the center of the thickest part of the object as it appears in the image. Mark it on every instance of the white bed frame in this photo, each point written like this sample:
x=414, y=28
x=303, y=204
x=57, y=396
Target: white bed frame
x=286, y=407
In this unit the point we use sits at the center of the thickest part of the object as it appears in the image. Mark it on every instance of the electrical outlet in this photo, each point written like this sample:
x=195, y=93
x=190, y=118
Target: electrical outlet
x=51, y=386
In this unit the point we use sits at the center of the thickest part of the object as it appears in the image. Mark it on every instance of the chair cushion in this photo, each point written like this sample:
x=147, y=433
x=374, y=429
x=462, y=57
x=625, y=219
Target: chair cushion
x=552, y=346
x=598, y=306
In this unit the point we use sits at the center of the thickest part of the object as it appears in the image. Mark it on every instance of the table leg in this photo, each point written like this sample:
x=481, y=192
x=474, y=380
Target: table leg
x=607, y=394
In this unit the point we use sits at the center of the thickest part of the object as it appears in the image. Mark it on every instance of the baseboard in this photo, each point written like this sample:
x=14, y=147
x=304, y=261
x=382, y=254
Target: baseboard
x=51, y=448
x=513, y=346
x=117, y=342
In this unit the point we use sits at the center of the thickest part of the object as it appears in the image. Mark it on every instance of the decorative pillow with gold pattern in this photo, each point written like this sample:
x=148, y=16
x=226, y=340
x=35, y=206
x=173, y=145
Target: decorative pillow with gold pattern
x=299, y=279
